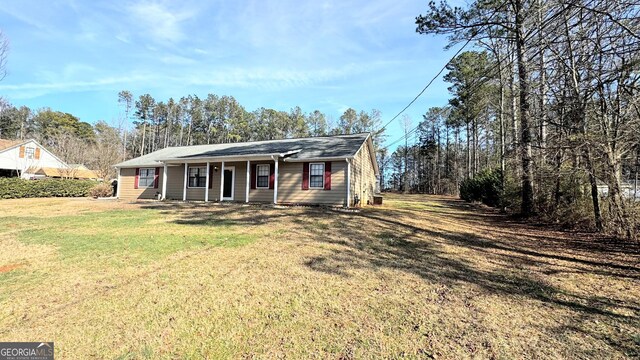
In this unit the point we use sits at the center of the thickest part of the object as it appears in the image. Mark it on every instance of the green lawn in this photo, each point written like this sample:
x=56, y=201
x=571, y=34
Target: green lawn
x=420, y=277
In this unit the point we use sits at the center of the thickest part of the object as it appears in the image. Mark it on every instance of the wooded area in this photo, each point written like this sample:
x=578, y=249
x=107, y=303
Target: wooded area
x=159, y=124
x=546, y=102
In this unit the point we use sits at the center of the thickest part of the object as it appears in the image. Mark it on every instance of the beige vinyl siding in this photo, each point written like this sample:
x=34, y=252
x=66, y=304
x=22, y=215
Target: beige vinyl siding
x=196, y=194
x=175, y=182
x=262, y=195
x=290, y=186
x=239, y=182
x=214, y=191
x=363, y=176
x=127, y=186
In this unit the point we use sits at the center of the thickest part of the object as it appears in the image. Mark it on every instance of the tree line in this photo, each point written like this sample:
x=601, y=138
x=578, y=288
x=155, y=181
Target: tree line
x=146, y=125
x=192, y=120
x=547, y=99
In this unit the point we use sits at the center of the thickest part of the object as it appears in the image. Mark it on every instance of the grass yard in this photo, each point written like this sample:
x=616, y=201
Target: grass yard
x=420, y=277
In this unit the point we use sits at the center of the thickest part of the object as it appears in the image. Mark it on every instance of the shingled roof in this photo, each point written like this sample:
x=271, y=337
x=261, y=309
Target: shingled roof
x=5, y=144
x=322, y=147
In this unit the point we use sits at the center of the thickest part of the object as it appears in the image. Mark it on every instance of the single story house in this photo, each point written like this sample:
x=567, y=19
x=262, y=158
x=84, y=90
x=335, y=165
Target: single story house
x=23, y=157
x=330, y=170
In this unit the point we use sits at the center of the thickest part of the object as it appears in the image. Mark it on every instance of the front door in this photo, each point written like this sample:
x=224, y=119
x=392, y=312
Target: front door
x=229, y=180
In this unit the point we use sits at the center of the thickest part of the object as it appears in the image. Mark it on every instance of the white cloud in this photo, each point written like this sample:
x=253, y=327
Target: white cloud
x=124, y=37
x=157, y=21
x=177, y=60
x=262, y=78
x=32, y=90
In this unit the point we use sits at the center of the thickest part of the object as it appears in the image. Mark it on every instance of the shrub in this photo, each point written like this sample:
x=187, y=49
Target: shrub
x=101, y=190
x=486, y=186
x=16, y=188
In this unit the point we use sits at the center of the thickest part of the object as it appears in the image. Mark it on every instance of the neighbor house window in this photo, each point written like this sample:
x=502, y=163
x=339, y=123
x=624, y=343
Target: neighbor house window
x=262, y=175
x=316, y=176
x=29, y=152
x=197, y=176
x=146, y=177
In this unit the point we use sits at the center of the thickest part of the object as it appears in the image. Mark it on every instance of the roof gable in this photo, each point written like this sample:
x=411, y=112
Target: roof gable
x=15, y=143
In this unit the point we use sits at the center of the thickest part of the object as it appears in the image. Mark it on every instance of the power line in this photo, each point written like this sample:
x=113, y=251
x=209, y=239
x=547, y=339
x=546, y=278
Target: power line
x=438, y=74
x=427, y=86
x=479, y=83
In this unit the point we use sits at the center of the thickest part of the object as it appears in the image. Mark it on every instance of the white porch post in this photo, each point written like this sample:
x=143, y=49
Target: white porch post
x=348, y=182
x=118, y=185
x=186, y=180
x=275, y=183
x=222, y=181
x=164, y=182
x=206, y=189
x=246, y=193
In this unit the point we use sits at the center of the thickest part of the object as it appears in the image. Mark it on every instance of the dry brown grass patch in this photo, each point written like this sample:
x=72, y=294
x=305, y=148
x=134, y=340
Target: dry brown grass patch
x=420, y=277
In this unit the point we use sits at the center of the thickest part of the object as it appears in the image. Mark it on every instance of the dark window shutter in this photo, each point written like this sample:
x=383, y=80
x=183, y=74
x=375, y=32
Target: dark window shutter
x=37, y=153
x=211, y=176
x=135, y=183
x=156, y=178
x=272, y=176
x=327, y=175
x=253, y=176
x=305, y=176
x=21, y=152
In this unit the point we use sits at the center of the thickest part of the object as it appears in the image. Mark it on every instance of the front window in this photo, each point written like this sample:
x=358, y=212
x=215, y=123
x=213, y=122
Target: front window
x=316, y=176
x=147, y=177
x=29, y=152
x=262, y=175
x=197, y=176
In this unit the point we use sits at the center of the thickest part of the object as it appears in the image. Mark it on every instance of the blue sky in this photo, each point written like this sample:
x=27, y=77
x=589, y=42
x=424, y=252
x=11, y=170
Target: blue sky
x=75, y=56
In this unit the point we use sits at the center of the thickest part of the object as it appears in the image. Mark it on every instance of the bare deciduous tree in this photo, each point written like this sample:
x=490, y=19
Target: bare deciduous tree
x=4, y=53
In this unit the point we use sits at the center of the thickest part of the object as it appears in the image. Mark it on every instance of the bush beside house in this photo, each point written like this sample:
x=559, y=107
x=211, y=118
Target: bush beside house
x=101, y=190
x=486, y=186
x=15, y=188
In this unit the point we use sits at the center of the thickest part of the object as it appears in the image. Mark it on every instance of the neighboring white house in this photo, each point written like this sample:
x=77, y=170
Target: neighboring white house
x=628, y=189
x=25, y=158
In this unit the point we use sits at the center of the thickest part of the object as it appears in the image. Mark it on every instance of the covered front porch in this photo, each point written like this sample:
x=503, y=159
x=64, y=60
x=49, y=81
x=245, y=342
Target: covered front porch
x=252, y=180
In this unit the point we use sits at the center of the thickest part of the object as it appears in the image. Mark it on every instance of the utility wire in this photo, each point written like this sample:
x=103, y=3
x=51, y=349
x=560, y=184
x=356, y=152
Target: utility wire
x=471, y=38
x=427, y=86
x=487, y=76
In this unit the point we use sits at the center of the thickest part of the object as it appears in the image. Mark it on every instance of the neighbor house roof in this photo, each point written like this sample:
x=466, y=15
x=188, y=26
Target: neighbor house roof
x=64, y=173
x=5, y=144
x=300, y=149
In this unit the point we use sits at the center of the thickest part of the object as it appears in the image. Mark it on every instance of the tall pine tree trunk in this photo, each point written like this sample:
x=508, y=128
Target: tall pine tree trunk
x=456, y=158
x=523, y=76
x=468, y=151
x=594, y=188
x=502, y=142
x=514, y=109
x=543, y=88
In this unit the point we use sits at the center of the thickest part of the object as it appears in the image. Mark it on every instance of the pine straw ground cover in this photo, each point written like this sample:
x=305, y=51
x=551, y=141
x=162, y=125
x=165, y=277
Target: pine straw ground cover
x=420, y=277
